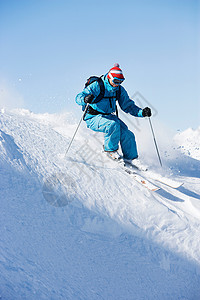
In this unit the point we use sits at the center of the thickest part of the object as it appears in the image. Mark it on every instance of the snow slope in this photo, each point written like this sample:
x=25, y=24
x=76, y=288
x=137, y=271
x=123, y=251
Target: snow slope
x=78, y=228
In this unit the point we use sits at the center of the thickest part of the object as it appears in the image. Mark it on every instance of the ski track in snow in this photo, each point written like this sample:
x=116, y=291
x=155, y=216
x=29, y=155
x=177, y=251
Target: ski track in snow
x=108, y=237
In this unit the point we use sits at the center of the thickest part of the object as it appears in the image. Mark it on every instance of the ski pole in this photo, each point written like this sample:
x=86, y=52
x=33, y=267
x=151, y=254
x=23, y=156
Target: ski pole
x=82, y=118
x=155, y=141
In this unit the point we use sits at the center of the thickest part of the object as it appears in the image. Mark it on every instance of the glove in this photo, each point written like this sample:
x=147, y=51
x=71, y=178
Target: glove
x=89, y=98
x=146, y=112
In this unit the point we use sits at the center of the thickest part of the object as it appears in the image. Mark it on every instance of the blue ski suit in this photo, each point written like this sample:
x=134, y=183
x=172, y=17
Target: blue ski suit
x=115, y=130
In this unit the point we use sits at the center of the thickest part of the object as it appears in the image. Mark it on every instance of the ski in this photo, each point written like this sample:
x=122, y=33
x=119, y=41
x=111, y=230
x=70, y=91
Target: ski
x=142, y=180
x=137, y=174
x=167, y=181
x=157, y=177
x=134, y=174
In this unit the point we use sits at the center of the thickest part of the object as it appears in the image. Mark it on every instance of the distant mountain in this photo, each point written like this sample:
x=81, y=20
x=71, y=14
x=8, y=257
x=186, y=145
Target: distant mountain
x=188, y=142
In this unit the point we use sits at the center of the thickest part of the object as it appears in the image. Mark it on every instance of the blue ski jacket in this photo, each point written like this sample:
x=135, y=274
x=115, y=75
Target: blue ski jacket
x=106, y=105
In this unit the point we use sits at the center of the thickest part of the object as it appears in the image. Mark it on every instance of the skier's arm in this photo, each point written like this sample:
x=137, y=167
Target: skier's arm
x=128, y=105
x=92, y=89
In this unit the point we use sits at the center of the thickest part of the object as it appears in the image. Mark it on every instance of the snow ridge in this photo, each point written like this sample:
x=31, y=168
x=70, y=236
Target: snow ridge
x=75, y=228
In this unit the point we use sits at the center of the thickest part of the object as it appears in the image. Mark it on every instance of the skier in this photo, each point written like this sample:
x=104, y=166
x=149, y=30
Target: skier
x=100, y=115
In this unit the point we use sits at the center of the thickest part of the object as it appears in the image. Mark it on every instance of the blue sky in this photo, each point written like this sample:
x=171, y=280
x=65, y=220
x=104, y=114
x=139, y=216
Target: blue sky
x=49, y=48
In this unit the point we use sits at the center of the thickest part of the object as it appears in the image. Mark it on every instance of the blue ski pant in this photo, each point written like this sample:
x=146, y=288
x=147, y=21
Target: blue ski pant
x=115, y=132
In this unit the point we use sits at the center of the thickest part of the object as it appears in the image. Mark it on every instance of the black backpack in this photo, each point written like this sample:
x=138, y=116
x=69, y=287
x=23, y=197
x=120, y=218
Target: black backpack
x=91, y=79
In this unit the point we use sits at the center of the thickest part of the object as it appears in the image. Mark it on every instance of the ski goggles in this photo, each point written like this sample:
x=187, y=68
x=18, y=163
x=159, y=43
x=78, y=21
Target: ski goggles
x=117, y=81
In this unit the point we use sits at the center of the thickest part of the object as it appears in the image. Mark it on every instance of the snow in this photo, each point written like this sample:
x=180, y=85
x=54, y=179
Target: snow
x=77, y=228
x=189, y=143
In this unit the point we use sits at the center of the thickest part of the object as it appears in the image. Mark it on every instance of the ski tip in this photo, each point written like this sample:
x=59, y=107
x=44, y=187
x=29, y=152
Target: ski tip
x=173, y=184
x=156, y=189
x=178, y=185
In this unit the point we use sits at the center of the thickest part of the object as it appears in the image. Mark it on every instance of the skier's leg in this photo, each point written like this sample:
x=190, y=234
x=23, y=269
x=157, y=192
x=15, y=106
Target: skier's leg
x=110, y=126
x=112, y=133
x=128, y=143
